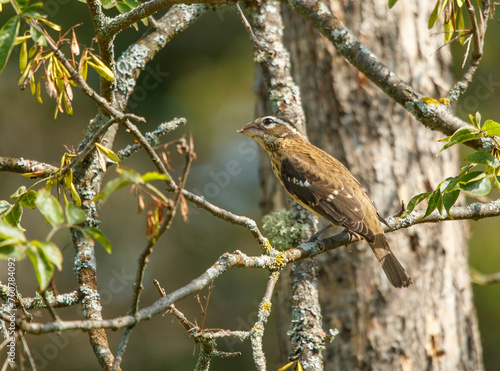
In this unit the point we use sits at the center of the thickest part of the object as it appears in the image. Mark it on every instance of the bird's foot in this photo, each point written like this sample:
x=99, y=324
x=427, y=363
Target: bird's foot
x=351, y=236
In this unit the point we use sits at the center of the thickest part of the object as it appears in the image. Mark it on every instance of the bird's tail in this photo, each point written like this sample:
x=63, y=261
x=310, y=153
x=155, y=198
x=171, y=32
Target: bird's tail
x=392, y=267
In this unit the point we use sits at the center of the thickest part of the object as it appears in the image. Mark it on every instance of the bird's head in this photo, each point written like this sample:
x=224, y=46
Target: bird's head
x=269, y=131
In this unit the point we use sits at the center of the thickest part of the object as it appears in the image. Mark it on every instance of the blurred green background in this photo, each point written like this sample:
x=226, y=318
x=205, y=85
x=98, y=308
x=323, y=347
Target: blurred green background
x=210, y=78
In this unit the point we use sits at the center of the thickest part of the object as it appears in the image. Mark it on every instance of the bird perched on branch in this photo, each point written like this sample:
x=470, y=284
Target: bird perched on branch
x=320, y=182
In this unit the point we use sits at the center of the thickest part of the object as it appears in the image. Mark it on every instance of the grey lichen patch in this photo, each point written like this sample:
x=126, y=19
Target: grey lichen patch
x=91, y=299
x=136, y=57
x=283, y=230
x=160, y=40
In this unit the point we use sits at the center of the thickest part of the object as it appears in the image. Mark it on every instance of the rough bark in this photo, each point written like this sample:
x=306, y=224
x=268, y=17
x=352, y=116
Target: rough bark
x=431, y=325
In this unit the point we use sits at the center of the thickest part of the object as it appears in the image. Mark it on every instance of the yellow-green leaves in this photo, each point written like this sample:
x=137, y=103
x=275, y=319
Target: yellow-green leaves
x=8, y=34
x=453, y=18
x=44, y=255
x=108, y=153
x=99, y=66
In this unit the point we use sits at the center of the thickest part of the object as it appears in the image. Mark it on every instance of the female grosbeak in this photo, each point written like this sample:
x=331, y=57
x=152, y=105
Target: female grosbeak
x=320, y=182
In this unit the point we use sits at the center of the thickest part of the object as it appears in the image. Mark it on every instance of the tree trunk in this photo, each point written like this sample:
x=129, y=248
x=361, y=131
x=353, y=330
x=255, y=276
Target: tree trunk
x=432, y=324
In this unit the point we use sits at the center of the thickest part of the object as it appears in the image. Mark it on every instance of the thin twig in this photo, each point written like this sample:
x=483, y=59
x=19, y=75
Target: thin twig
x=262, y=47
x=482, y=279
x=27, y=351
x=205, y=309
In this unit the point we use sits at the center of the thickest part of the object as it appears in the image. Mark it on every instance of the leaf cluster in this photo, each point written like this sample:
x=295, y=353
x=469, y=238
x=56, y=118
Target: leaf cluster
x=470, y=180
x=60, y=214
x=52, y=74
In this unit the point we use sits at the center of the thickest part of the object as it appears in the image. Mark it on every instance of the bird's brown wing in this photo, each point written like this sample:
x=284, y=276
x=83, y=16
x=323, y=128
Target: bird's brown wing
x=325, y=192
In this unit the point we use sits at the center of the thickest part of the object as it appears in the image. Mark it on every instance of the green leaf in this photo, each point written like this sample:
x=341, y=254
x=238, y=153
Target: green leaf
x=135, y=4
x=5, y=208
x=50, y=208
x=31, y=11
x=28, y=199
x=448, y=184
x=74, y=215
x=492, y=128
x=474, y=121
x=448, y=31
x=472, y=177
x=392, y=3
x=99, y=237
x=18, y=193
x=416, y=200
x=483, y=158
x=432, y=204
x=478, y=187
x=449, y=200
x=478, y=119
x=464, y=134
x=8, y=35
x=75, y=195
x=123, y=7
x=51, y=251
x=12, y=251
x=130, y=174
x=9, y=232
x=110, y=187
x=108, y=153
x=21, y=4
x=460, y=26
x=434, y=15
x=154, y=175
x=38, y=37
x=15, y=215
x=108, y=4
x=43, y=268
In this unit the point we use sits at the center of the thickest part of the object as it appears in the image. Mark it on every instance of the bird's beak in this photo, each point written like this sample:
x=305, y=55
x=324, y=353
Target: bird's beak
x=250, y=129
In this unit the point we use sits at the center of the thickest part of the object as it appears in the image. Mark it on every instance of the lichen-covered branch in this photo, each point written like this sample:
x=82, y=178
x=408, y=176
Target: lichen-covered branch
x=22, y=165
x=146, y=9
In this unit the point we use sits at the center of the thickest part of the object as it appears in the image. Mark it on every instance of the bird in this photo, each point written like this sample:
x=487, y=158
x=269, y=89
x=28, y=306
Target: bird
x=322, y=184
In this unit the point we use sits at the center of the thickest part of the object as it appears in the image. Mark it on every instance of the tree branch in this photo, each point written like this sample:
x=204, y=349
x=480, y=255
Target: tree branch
x=58, y=301
x=144, y=10
x=436, y=118
x=21, y=166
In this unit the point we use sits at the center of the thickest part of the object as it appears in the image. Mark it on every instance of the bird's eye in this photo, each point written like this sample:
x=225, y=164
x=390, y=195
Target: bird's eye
x=267, y=121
